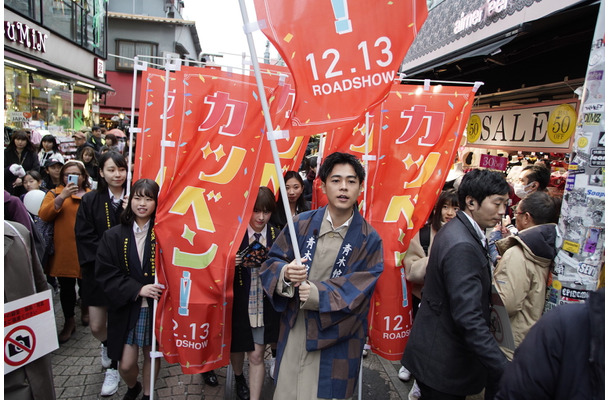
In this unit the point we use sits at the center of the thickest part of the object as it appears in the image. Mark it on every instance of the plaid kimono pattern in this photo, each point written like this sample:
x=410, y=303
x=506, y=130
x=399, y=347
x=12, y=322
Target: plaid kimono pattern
x=339, y=328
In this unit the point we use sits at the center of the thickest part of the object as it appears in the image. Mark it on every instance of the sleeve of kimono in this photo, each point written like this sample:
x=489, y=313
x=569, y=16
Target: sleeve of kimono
x=85, y=232
x=349, y=295
x=120, y=288
x=271, y=275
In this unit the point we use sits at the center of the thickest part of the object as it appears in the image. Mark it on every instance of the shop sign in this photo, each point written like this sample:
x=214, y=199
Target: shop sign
x=543, y=126
x=100, y=68
x=493, y=162
x=23, y=34
x=18, y=116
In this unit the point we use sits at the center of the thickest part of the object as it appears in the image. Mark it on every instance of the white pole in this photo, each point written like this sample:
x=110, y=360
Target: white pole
x=169, y=65
x=269, y=126
x=131, y=123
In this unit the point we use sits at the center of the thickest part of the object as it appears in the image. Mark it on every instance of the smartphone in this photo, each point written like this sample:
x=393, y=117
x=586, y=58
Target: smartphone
x=73, y=179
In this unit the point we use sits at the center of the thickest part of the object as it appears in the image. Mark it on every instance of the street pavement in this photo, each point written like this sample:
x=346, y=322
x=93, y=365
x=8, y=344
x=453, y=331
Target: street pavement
x=78, y=374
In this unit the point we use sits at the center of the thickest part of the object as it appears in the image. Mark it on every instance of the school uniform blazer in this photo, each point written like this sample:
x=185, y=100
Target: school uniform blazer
x=95, y=216
x=241, y=331
x=121, y=276
x=451, y=348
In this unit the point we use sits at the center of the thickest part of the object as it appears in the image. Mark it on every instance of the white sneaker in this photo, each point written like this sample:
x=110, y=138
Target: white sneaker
x=414, y=394
x=272, y=367
x=105, y=360
x=404, y=374
x=111, y=382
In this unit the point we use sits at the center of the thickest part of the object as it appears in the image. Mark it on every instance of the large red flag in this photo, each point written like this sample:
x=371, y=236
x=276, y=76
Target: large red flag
x=343, y=54
x=414, y=135
x=200, y=217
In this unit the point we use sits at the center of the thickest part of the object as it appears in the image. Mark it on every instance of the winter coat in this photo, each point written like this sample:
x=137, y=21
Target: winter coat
x=521, y=276
x=451, y=348
x=64, y=262
x=562, y=356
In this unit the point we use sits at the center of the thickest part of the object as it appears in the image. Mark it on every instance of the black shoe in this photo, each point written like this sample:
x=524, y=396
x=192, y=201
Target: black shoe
x=132, y=393
x=210, y=378
x=243, y=393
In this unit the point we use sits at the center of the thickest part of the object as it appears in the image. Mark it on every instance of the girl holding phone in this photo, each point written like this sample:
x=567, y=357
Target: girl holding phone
x=60, y=206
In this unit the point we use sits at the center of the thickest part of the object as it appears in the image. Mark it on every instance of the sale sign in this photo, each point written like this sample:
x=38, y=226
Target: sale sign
x=343, y=55
x=413, y=138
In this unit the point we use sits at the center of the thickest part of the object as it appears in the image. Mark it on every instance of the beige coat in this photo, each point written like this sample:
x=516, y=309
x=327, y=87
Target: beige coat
x=521, y=280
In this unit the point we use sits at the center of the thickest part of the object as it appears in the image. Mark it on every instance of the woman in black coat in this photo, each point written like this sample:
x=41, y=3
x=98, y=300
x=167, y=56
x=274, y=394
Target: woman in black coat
x=125, y=269
x=19, y=158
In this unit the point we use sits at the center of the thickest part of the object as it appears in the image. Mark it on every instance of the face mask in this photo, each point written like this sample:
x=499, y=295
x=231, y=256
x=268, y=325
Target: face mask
x=521, y=189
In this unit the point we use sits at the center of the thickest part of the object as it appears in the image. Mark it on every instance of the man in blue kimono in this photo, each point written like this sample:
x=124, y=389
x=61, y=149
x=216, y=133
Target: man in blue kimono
x=324, y=299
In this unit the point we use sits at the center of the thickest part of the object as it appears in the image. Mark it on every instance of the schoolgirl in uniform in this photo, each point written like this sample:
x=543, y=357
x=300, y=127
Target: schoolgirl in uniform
x=125, y=270
x=100, y=210
x=254, y=321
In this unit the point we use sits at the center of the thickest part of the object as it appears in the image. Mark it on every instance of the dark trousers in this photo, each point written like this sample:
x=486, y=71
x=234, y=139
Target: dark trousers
x=427, y=393
x=67, y=295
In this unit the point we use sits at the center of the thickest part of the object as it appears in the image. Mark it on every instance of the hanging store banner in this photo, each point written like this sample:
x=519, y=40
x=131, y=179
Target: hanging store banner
x=213, y=165
x=541, y=127
x=343, y=55
x=414, y=136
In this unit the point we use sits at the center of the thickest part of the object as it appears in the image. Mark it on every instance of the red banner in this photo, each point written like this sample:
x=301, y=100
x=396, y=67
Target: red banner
x=412, y=145
x=215, y=152
x=343, y=55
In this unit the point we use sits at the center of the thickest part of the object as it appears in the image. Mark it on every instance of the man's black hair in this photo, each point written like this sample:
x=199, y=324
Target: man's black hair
x=341, y=158
x=538, y=173
x=480, y=184
x=540, y=206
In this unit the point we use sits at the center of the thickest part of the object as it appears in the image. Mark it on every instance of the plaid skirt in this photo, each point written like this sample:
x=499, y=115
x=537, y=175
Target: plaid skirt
x=141, y=334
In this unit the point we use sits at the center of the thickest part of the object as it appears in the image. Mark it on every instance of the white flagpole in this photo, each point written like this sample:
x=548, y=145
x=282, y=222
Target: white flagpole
x=269, y=126
x=137, y=66
x=171, y=64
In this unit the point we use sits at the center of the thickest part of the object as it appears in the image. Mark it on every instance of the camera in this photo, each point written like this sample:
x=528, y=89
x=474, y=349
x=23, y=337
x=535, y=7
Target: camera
x=14, y=350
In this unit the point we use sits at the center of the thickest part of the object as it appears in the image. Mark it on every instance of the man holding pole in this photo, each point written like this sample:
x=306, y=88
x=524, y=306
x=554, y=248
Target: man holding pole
x=324, y=299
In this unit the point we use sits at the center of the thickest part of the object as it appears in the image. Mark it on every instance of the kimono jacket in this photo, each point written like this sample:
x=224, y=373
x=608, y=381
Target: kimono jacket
x=339, y=328
x=241, y=331
x=121, y=276
x=94, y=217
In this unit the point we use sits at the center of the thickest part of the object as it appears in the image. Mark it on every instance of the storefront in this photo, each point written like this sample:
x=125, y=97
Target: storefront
x=509, y=138
x=54, y=73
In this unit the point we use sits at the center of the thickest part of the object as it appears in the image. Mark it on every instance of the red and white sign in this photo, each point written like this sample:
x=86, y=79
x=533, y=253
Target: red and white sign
x=493, y=162
x=27, y=323
x=343, y=55
x=412, y=145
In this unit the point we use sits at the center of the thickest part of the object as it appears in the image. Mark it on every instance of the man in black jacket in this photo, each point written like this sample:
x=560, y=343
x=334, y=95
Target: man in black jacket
x=451, y=351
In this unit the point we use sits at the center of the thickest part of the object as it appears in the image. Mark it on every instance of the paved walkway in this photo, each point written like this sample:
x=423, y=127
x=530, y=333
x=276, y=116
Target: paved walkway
x=78, y=374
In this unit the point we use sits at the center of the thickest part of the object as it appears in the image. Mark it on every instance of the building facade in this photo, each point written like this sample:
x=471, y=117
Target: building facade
x=54, y=64
x=149, y=29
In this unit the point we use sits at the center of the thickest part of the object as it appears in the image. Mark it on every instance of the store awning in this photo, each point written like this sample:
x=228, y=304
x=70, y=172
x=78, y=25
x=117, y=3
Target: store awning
x=457, y=29
x=62, y=73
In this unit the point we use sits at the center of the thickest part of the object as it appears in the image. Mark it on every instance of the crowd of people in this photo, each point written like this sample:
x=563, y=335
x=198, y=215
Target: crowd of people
x=97, y=247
